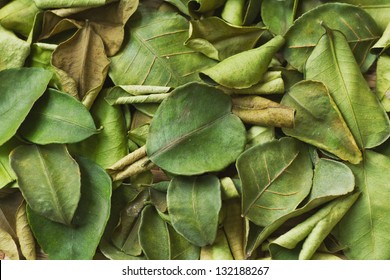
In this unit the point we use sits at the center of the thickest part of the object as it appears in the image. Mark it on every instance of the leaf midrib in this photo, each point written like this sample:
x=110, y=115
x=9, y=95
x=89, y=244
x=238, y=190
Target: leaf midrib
x=52, y=191
x=185, y=136
x=270, y=181
x=60, y=119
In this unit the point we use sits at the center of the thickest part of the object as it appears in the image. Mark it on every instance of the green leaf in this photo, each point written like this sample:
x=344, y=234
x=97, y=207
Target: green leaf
x=49, y=179
x=233, y=226
x=181, y=248
x=154, y=235
x=18, y=16
x=383, y=81
x=383, y=44
x=319, y=122
x=314, y=229
x=196, y=6
x=155, y=40
x=46, y=4
x=19, y=88
x=233, y=11
x=332, y=62
x=218, y=39
x=7, y=175
x=110, y=144
x=81, y=240
x=14, y=50
x=358, y=27
x=331, y=179
x=25, y=236
x=57, y=118
x=130, y=94
x=379, y=10
x=194, y=131
x=270, y=187
x=193, y=205
x=364, y=230
x=244, y=69
x=219, y=250
x=278, y=16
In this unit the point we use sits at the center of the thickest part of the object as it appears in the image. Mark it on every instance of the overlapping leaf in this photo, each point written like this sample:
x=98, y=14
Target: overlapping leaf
x=19, y=88
x=156, y=42
x=194, y=131
x=57, y=118
x=360, y=108
x=383, y=81
x=194, y=204
x=79, y=241
x=278, y=15
x=49, y=180
x=319, y=122
x=270, y=187
x=358, y=27
x=364, y=229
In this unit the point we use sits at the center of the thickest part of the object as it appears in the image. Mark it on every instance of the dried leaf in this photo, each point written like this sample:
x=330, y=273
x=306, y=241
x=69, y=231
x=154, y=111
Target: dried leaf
x=14, y=51
x=8, y=246
x=25, y=236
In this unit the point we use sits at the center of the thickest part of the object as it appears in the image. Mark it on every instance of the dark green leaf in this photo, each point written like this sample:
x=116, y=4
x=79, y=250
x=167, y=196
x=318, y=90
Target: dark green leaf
x=278, y=16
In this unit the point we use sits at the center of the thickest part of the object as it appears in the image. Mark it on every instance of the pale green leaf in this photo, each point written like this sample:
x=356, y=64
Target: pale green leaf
x=358, y=27
x=278, y=16
x=155, y=40
x=218, y=40
x=270, y=187
x=154, y=235
x=332, y=62
x=19, y=88
x=49, y=179
x=364, y=230
x=195, y=117
x=193, y=205
x=181, y=248
x=244, y=69
x=314, y=229
x=219, y=250
x=233, y=226
x=46, y=4
x=319, y=122
x=331, y=179
x=18, y=16
x=383, y=43
x=7, y=175
x=383, y=81
x=8, y=246
x=14, y=51
x=79, y=241
x=233, y=11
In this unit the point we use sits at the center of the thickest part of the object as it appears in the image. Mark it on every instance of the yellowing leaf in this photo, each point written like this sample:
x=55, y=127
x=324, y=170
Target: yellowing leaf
x=25, y=236
x=8, y=246
x=84, y=59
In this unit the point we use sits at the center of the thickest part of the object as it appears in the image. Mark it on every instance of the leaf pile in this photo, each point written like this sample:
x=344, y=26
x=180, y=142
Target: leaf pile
x=191, y=129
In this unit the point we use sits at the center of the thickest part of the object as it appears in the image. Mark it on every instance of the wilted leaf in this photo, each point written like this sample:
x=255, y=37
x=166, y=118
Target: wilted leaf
x=181, y=248
x=25, y=236
x=193, y=205
x=8, y=246
x=83, y=58
x=156, y=42
x=110, y=144
x=319, y=122
x=360, y=108
x=233, y=11
x=49, y=180
x=233, y=226
x=331, y=179
x=57, y=118
x=357, y=26
x=364, y=229
x=196, y=6
x=154, y=235
x=270, y=187
x=278, y=16
x=218, y=40
x=195, y=117
x=80, y=241
x=244, y=69
x=314, y=229
x=19, y=88
x=383, y=81
x=219, y=250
